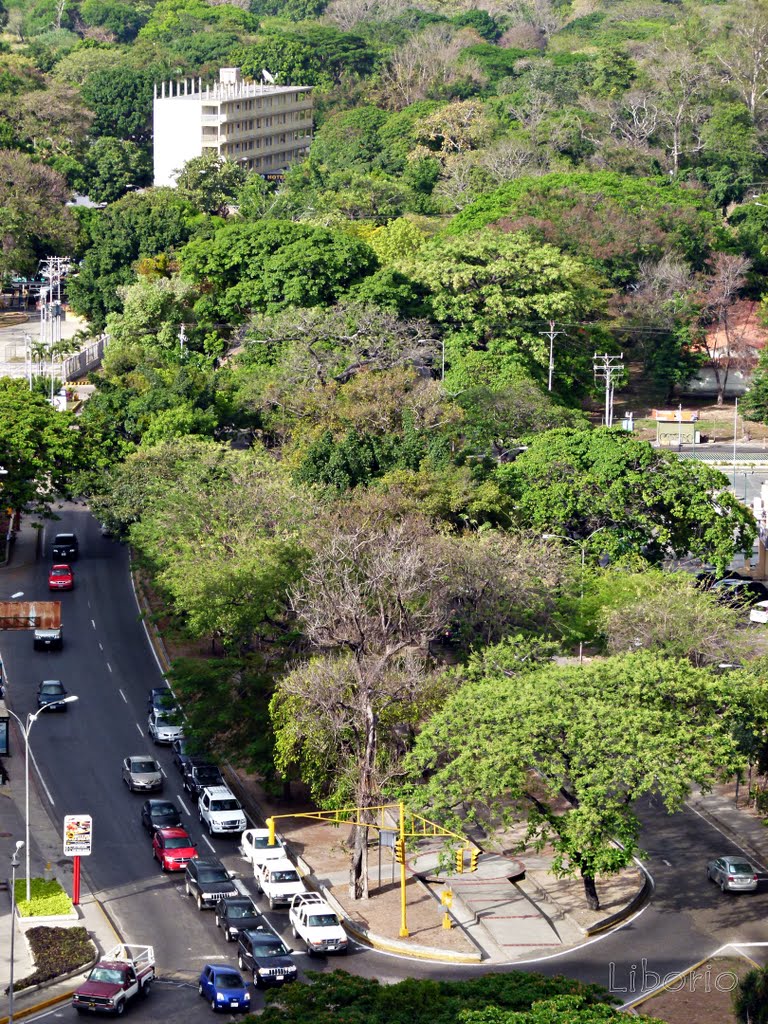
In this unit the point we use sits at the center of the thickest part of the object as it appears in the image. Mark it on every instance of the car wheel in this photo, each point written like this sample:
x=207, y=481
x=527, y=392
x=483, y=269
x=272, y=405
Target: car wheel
x=295, y=933
x=162, y=866
x=188, y=890
x=257, y=887
x=146, y=988
x=240, y=962
x=722, y=886
x=120, y=1008
x=210, y=830
x=199, y=902
x=200, y=988
x=217, y=919
x=214, y=1007
x=271, y=903
x=227, y=935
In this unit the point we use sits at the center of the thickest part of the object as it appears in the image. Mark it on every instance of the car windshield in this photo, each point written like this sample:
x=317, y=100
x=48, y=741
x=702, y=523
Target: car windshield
x=270, y=949
x=177, y=843
x=260, y=842
x=64, y=538
x=322, y=921
x=203, y=774
x=213, y=875
x=234, y=910
x=229, y=980
x=143, y=767
x=60, y=572
x=165, y=718
x=740, y=867
x=225, y=805
x=52, y=688
x=107, y=975
x=284, y=876
x=163, y=809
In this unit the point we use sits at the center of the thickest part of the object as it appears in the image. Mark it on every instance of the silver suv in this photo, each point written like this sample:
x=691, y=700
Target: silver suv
x=220, y=810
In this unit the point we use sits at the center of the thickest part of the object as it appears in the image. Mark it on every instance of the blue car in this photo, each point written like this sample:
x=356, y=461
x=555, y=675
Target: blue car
x=224, y=988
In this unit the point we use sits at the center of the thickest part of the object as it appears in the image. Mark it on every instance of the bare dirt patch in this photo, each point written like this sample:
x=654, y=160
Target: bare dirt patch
x=704, y=996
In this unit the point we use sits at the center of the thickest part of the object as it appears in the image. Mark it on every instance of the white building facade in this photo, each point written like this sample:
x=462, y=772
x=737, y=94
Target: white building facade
x=265, y=128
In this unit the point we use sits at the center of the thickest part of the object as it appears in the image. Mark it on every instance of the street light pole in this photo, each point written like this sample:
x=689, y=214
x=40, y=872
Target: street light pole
x=14, y=865
x=31, y=719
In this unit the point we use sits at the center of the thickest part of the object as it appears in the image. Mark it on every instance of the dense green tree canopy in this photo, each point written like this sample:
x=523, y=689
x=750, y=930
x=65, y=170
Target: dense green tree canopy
x=620, y=496
x=571, y=750
x=41, y=450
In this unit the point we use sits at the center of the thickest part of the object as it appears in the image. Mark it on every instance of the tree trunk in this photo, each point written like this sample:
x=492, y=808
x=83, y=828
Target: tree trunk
x=358, y=876
x=590, y=891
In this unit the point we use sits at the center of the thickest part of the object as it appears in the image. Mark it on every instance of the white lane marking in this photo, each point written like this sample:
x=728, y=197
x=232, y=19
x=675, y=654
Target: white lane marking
x=101, y=646
x=122, y=695
x=163, y=771
x=42, y=780
x=209, y=843
x=143, y=621
x=109, y=666
x=666, y=862
x=183, y=805
x=141, y=731
x=88, y=602
x=93, y=624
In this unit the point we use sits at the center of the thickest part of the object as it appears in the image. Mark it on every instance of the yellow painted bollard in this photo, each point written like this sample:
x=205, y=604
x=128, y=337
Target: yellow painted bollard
x=447, y=923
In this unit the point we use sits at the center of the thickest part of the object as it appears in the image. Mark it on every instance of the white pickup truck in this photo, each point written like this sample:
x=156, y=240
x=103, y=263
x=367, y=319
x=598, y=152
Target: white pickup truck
x=255, y=848
x=279, y=881
x=313, y=921
x=121, y=974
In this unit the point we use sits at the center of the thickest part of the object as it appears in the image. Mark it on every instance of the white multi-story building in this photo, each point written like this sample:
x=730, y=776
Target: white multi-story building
x=266, y=128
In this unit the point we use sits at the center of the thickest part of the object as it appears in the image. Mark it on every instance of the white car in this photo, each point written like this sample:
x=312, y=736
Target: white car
x=759, y=612
x=315, y=922
x=255, y=848
x=162, y=727
x=220, y=810
x=279, y=881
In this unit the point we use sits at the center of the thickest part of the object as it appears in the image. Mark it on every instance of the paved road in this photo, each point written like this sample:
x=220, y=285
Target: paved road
x=108, y=663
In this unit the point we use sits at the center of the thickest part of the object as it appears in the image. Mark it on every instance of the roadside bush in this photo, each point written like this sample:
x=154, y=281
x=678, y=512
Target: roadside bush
x=47, y=898
x=56, y=951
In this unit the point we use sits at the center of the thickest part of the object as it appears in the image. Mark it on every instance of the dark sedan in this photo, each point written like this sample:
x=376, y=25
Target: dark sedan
x=51, y=694
x=199, y=776
x=235, y=914
x=160, y=814
x=739, y=593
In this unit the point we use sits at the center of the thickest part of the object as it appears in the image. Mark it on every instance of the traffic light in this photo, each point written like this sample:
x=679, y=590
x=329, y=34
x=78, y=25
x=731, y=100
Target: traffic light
x=473, y=856
x=400, y=851
x=460, y=860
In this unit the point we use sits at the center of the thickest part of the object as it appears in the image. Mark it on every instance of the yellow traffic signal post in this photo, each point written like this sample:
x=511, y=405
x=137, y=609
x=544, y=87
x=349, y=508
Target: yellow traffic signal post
x=414, y=826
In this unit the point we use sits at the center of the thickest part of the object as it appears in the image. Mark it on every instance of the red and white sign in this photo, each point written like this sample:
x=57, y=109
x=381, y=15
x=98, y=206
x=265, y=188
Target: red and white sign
x=78, y=832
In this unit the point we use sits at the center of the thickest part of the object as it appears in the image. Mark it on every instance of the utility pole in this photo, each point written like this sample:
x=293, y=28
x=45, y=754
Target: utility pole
x=608, y=368
x=54, y=269
x=551, y=334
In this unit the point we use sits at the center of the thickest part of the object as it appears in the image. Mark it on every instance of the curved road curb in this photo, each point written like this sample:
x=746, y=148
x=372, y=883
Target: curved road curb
x=637, y=901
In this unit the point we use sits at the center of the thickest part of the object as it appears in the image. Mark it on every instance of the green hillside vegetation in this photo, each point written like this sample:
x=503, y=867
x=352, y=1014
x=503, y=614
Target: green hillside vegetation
x=348, y=420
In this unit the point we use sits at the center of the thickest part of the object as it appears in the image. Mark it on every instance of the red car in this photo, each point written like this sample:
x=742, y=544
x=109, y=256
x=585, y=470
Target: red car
x=173, y=848
x=61, y=577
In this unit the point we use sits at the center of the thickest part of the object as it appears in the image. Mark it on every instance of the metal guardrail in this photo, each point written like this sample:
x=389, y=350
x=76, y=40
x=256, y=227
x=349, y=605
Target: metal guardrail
x=87, y=359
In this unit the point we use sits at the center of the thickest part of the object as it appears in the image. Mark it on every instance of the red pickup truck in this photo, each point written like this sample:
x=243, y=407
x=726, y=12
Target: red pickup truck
x=124, y=972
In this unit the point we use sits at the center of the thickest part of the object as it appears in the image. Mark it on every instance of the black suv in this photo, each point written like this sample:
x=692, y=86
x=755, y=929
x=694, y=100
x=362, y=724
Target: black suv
x=236, y=913
x=65, y=547
x=267, y=957
x=208, y=881
x=198, y=776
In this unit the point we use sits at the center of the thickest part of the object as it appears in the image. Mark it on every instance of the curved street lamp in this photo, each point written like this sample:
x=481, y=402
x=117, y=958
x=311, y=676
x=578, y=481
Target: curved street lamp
x=31, y=719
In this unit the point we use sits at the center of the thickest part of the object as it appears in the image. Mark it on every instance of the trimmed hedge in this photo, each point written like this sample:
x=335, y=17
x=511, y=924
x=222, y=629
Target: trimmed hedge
x=47, y=898
x=56, y=951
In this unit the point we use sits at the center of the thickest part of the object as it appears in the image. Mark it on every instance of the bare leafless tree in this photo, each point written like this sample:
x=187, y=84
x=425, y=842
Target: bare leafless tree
x=722, y=334
x=427, y=62
x=745, y=57
x=680, y=83
x=377, y=595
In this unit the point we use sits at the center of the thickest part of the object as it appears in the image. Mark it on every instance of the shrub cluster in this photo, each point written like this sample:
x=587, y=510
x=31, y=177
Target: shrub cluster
x=47, y=898
x=56, y=951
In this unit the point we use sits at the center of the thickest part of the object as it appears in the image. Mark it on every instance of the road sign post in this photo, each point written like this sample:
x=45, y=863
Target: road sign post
x=78, y=836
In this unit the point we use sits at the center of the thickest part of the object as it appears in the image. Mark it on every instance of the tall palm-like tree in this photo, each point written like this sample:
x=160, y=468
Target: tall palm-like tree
x=750, y=1000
